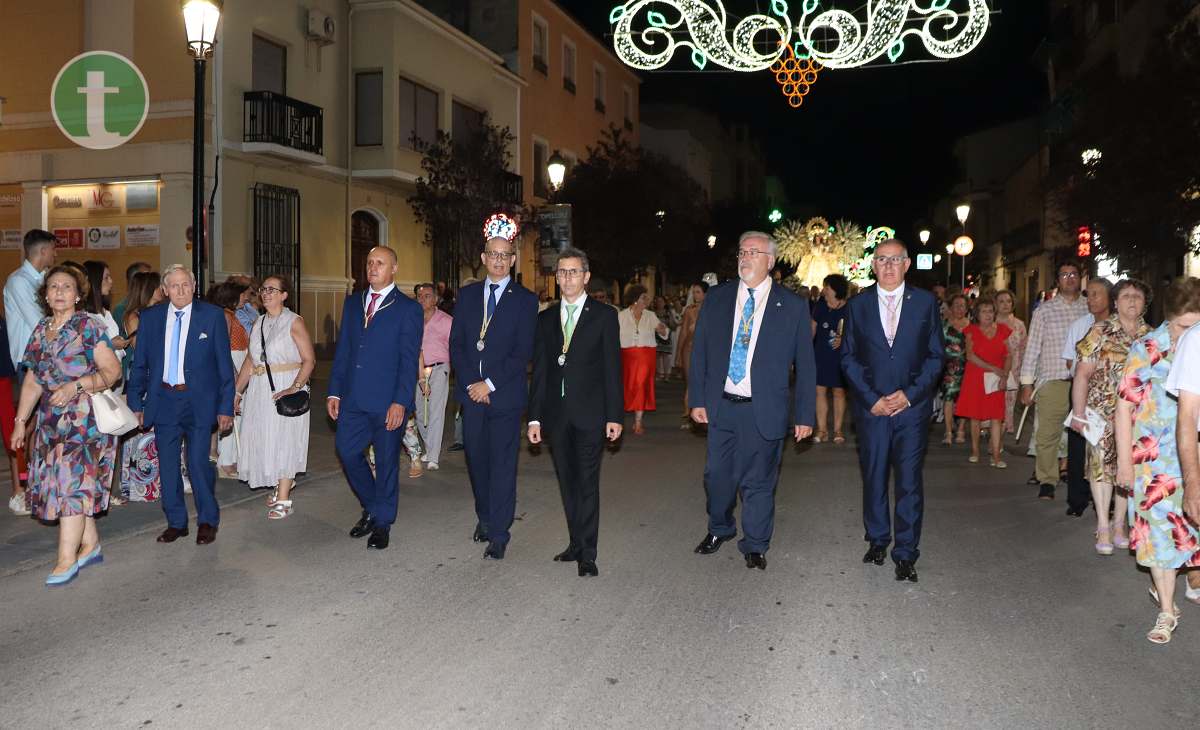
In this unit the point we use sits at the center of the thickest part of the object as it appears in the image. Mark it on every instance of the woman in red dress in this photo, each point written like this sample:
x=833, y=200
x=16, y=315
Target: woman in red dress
x=987, y=354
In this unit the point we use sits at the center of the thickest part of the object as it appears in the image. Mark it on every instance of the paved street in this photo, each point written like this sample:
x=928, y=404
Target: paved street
x=1015, y=623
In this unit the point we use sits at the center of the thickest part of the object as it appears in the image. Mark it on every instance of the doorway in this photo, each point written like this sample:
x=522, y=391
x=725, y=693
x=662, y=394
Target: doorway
x=364, y=236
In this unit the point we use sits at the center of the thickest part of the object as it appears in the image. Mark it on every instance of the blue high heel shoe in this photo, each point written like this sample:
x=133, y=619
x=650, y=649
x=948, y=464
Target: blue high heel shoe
x=64, y=578
x=92, y=558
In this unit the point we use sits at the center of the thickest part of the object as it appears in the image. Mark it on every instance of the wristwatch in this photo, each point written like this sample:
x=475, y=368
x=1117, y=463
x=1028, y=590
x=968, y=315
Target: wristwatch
x=78, y=387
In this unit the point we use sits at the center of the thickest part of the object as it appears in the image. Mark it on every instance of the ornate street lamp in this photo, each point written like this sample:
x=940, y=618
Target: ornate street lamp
x=924, y=236
x=556, y=168
x=963, y=211
x=200, y=19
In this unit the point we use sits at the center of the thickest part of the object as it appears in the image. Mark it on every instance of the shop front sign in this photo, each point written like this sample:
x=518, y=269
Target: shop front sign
x=99, y=100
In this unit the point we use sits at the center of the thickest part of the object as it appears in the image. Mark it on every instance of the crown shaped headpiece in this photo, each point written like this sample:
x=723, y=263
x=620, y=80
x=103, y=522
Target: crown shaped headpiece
x=501, y=226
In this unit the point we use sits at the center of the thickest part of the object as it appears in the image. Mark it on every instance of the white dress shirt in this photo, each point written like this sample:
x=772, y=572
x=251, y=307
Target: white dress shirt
x=883, y=310
x=1076, y=332
x=761, y=292
x=562, y=321
x=383, y=295
x=184, y=323
x=487, y=291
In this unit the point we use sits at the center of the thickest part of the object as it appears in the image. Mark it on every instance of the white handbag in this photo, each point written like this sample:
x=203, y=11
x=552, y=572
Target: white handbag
x=112, y=413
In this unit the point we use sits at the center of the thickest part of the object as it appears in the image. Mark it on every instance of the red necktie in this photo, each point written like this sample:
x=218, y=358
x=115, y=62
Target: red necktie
x=371, y=306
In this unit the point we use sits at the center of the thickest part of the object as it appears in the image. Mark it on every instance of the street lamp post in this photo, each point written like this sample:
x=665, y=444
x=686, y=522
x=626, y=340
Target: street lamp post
x=924, y=235
x=556, y=170
x=949, y=262
x=962, y=212
x=200, y=18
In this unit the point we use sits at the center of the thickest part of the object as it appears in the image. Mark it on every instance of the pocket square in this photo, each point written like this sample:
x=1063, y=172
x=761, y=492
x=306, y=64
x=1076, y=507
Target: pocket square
x=203, y=336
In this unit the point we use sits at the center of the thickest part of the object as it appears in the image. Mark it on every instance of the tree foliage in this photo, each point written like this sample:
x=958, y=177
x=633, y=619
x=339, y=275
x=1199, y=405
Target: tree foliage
x=617, y=194
x=1143, y=194
x=464, y=182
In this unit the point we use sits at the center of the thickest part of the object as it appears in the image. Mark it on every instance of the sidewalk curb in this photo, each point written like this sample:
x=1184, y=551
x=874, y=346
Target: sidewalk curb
x=135, y=532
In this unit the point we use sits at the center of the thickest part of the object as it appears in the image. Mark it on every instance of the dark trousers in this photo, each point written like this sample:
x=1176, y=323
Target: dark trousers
x=490, y=439
x=893, y=446
x=174, y=424
x=378, y=492
x=740, y=460
x=577, y=454
x=1079, y=490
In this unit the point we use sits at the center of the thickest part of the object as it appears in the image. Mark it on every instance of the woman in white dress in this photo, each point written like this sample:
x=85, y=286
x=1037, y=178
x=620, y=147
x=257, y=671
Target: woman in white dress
x=274, y=448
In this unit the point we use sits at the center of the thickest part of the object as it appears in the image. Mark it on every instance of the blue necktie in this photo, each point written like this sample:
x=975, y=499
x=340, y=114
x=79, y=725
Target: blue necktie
x=173, y=363
x=741, y=342
x=491, y=303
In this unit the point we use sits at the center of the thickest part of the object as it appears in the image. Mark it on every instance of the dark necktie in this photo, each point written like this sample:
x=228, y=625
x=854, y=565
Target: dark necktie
x=491, y=302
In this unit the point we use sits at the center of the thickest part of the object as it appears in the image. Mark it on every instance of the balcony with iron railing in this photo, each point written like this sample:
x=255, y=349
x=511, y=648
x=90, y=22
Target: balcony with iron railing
x=278, y=125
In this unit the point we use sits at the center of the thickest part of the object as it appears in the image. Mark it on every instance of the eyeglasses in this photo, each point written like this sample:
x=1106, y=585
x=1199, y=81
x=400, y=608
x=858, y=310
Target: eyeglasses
x=746, y=253
x=890, y=260
x=570, y=273
x=1068, y=275
x=269, y=290
x=497, y=255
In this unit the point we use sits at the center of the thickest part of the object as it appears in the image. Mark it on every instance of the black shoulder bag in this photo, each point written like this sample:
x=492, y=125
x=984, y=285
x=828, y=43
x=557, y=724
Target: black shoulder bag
x=293, y=404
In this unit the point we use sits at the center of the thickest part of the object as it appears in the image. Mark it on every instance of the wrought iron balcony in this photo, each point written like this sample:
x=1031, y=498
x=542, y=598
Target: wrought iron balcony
x=274, y=119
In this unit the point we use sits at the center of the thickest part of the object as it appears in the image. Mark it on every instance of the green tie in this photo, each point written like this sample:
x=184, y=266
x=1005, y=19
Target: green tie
x=568, y=331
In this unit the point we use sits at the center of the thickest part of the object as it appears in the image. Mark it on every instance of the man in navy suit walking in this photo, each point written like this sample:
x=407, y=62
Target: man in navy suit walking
x=749, y=337
x=371, y=388
x=181, y=384
x=892, y=357
x=491, y=342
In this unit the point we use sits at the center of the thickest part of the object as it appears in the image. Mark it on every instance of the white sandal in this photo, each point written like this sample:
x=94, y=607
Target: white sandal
x=1164, y=625
x=274, y=498
x=280, y=510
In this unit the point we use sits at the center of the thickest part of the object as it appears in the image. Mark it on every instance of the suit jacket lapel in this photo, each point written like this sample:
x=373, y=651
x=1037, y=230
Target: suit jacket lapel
x=388, y=301
x=770, y=319
x=874, y=322
x=724, y=325
x=907, y=314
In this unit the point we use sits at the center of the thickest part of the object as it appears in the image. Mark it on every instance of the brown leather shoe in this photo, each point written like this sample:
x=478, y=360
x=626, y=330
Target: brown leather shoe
x=205, y=533
x=171, y=534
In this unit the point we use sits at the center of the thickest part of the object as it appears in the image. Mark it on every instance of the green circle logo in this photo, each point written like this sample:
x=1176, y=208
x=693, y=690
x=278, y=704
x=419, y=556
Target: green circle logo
x=99, y=100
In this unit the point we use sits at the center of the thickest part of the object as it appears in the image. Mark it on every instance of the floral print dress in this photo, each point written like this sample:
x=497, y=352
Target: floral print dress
x=1106, y=345
x=1016, y=345
x=955, y=360
x=1162, y=536
x=71, y=461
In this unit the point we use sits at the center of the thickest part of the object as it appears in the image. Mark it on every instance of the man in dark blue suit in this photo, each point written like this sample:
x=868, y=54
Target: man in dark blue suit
x=749, y=337
x=181, y=384
x=491, y=342
x=371, y=387
x=892, y=357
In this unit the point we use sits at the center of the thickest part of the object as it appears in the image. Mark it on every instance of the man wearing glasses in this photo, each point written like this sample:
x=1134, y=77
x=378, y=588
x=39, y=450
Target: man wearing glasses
x=576, y=400
x=491, y=341
x=892, y=357
x=738, y=385
x=1045, y=379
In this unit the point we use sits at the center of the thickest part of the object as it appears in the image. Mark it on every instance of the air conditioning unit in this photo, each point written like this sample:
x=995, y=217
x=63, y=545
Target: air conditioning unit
x=321, y=27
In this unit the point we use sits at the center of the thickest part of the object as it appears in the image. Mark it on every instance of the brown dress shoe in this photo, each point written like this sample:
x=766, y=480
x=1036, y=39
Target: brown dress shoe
x=205, y=533
x=171, y=534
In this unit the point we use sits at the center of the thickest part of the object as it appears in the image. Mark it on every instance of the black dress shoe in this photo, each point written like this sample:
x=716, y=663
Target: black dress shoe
x=876, y=554
x=906, y=570
x=1046, y=492
x=567, y=556
x=171, y=534
x=756, y=560
x=587, y=569
x=711, y=543
x=495, y=551
x=1075, y=511
x=379, y=538
x=480, y=534
x=362, y=528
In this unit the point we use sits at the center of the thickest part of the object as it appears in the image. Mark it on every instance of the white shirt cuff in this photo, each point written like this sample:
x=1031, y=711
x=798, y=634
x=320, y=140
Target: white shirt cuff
x=491, y=387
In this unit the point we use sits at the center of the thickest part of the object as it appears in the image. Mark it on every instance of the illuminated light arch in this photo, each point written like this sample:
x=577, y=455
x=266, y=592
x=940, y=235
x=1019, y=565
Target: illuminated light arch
x=709, y=36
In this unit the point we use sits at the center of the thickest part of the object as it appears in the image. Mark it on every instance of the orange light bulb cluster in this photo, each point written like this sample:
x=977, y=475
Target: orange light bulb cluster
x=795, y=76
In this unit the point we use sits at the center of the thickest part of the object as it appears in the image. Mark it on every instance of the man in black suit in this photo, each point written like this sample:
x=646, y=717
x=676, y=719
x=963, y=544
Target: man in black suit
x=576, y=393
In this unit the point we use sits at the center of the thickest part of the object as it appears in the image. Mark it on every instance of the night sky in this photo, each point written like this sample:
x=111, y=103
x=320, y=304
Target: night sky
x=874, y=145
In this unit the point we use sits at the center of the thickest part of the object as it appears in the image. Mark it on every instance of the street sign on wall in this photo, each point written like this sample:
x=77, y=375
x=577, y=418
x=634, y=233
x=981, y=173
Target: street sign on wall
x=99, y=100
x=924, y=261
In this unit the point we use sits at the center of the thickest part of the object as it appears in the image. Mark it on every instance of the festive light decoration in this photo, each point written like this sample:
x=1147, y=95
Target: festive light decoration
x=775, y=215
x=795, y=76
x=1083, y=245
x=501, y=226
x=708, y=34
x=888, y=24
x=876, y=236
x=833, y=38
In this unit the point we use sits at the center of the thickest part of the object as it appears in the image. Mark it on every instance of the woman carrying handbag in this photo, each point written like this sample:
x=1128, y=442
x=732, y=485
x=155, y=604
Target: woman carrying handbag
x=272, y=388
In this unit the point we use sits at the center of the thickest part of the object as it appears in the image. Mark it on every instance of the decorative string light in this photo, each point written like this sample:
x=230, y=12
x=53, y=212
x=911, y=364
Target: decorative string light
x=708, y=34
x=833, y=38
x=795, y=76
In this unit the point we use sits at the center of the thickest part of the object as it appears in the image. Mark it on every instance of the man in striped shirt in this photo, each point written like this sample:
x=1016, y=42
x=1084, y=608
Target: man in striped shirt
x=1044, y=375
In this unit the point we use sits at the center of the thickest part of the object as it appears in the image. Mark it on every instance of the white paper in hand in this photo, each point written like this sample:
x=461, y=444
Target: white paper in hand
x=991, y=383
x=1095, y=425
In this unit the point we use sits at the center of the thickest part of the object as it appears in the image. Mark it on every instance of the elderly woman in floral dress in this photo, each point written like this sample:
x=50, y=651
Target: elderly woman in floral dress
x=1101, y=364
x=1164, y=540
x=1005, y=314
